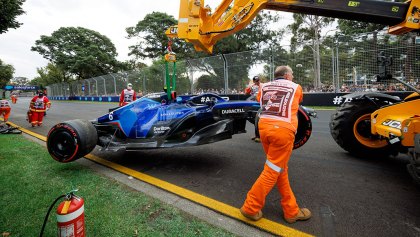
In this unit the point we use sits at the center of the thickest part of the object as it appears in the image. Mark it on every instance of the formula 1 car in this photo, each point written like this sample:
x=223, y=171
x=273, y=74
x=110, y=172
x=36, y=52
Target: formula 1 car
x=156, y=122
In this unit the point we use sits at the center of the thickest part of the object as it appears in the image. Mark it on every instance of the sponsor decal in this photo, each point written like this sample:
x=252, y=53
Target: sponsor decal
x=161, y=129
x=69, y=129
x=232, y=111
x=207, y=99
x=354, y=4
x=172, y=114
x=17, y=87
x=339, y=100
x=151, y=106
x=392, y=123
x=414, y=20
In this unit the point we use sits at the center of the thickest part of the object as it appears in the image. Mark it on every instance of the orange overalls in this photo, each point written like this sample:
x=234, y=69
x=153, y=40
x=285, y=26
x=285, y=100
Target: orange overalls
x=279, y=101
x=5, y=109
x=14, y=98
x=38, y=107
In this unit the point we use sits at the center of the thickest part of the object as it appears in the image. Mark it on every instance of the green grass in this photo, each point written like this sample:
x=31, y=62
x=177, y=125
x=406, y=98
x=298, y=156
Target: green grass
x=30, y=180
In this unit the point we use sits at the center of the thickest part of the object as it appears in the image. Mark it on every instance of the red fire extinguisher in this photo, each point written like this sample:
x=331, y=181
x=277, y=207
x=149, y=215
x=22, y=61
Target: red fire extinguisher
x=70, y=216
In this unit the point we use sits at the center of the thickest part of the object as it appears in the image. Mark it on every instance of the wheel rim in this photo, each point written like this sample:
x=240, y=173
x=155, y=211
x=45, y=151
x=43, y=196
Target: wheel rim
x=362, y=132
x=63, y=145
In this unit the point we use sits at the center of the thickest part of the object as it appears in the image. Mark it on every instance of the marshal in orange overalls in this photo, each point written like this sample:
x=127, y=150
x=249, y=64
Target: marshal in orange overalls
x=279, y=101
x=38, y=106
x=5, y=109
x=14, y=97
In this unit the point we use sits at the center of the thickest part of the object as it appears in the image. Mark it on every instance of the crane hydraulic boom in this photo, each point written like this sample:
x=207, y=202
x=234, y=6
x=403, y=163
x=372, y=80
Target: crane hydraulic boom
x=203, y=28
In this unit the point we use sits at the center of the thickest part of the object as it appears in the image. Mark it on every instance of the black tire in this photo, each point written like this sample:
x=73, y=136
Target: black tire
x=303, y=132
x=71, y=140
x=342, y=128
x=304, y=129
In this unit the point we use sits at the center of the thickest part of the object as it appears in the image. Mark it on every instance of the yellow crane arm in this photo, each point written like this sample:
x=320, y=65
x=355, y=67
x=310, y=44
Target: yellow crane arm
x=199, y=26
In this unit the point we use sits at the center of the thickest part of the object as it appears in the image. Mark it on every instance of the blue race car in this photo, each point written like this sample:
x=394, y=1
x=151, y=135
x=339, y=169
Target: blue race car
x=156, y=122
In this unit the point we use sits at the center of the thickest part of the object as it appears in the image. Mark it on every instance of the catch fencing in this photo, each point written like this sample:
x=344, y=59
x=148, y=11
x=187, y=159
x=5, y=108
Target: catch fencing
x=343, y=64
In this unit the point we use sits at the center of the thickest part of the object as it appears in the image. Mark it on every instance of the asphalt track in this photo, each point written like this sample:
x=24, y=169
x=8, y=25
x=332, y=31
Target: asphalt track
x=348, y=196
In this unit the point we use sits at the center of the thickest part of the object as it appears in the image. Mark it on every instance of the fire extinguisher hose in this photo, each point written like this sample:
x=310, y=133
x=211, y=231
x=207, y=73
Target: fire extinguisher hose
x=48, y=213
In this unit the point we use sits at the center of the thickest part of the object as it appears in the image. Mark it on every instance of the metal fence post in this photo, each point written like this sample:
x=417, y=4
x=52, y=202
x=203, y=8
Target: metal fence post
x=96, y=88
x=338, y=67
x=115, y=84
x=104, y=85
x=191, y=75
x=226, y=73
x=271, y=65
x=144, y=83
x=333, y=69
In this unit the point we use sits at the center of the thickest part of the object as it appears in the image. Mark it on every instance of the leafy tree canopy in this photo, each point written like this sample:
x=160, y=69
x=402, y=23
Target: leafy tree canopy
x=152, y=41
x=50, y=74
x=19, y=81
x=6, y=73
x=257, y=34
x=9, y=10
x=348, y=27
x=79, y=51
x=308, y=27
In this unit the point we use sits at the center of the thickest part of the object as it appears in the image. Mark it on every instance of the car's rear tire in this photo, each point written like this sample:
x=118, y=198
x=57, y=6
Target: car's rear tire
x=304, y=129
x=71, y=140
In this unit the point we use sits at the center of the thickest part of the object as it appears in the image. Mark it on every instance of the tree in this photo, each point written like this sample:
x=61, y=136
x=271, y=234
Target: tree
x=81, y=52
x=9, y=10
x=20, y=81
x=255, y=36
x=207, y=82
x=308, y=27
x=152, y=41
x=51, y=74
x=151, y=79
x=6, y=73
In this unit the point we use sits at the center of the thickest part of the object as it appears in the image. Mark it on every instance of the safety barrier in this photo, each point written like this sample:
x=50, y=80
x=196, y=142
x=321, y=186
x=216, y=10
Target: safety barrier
x=310, y=99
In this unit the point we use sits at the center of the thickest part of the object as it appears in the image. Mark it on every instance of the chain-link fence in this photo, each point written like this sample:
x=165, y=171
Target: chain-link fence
x=358, y=59
x=343, y=64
